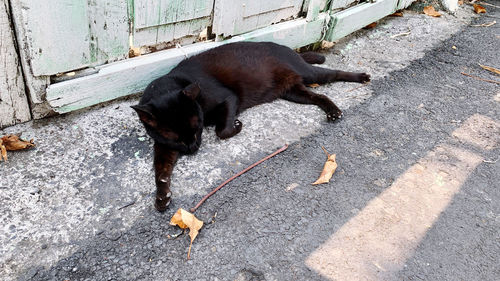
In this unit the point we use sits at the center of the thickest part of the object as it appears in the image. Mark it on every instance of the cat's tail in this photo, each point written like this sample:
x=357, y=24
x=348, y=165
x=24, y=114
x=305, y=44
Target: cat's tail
x=313, y=58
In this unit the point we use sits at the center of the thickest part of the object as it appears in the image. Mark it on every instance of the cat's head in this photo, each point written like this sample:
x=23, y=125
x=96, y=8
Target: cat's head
x=175, y=119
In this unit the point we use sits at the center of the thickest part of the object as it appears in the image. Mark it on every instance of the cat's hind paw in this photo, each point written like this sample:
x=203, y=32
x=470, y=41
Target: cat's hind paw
x=363, y=77
x=334, y=115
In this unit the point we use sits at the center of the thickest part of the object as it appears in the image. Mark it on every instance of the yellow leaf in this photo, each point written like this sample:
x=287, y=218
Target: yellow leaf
x=185, y=219
x=430, y=11
x=313, y=85
x=328, y=169
x=492, y=69
x=478, y=9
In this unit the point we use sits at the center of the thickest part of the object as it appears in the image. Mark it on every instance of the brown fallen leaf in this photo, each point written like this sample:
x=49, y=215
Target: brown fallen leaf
x=185, y=219
x=478, y=9
x=313, y=85
x=11, y=143
x=371, y=25
x=328, y=169
x=460, y=2
x=396, y=14
x=430, y=11
x=134, y=52
x=325, y=45
x=492, y=69
x=3, y=151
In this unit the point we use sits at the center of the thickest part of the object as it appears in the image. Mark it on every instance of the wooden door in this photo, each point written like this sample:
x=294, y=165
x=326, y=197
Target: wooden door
x=157, y=21
x=65, y=35
x=232, y=17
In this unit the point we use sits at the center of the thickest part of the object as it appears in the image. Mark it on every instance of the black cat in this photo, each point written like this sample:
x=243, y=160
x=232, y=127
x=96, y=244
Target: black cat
x=213, y=87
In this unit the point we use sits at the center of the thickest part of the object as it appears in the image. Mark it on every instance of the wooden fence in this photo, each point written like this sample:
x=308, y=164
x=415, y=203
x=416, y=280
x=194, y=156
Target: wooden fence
x=72, y=54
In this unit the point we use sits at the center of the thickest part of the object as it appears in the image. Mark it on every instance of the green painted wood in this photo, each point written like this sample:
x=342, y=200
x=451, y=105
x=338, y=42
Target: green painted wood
x=359, y=16
x=132, y=76
x=167, y=20
x=71, y=34
x=109, y=31
x=342, y=4
x=57, y=35
x=322, y=5
x=232, y=17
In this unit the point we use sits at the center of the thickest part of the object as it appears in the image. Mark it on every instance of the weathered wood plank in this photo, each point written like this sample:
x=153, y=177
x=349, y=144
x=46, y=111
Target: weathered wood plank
x=70, y=34
x=322, y=5
x=177, y=19
x=342, y=4
x=109, y=30
x=132, y=76
x=13, y=101
x=352, y=19
x=232, y=17
x=403, y=4
x=64, y=22
x=35, y=85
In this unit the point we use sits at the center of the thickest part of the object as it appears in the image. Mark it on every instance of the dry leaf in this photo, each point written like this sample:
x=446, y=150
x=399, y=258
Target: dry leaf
x=479, y=9
x=429, y=10
x=460, y=2
x=397, y=14
x=327, y=45
x=185, y=219
x=328, y=169
x=11, y=143
x=492, y=69
x=3, y=151
x=371, y=25
x=313, y=85
x=134, y=52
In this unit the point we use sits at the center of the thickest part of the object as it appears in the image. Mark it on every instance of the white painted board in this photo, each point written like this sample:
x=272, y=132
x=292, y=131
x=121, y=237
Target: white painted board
x=13, y=101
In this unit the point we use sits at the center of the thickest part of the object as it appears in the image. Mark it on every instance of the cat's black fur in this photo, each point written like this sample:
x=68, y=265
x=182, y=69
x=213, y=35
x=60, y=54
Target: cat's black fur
x=213, y=87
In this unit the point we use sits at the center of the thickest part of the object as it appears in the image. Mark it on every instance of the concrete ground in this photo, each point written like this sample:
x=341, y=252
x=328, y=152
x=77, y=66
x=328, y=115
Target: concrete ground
x=416, y=195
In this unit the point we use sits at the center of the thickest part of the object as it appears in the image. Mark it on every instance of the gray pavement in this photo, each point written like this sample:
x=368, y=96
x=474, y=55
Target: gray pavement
x=415, y=197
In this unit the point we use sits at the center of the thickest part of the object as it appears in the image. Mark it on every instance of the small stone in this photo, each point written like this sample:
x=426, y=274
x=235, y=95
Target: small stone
x=34, y=191
x=44, y=246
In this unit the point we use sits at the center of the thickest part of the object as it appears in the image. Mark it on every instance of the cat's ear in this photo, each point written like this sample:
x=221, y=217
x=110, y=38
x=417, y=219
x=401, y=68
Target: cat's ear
x=192, y=91
x=145, y=114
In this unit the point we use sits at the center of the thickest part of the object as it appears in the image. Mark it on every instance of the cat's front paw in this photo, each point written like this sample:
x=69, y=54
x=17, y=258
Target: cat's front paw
x=363, y=77
x=237, y=126
x=161, y=204
x=231, y=131
x=334, y=115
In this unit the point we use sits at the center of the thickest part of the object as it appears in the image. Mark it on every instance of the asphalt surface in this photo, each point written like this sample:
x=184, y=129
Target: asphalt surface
x=415, y=197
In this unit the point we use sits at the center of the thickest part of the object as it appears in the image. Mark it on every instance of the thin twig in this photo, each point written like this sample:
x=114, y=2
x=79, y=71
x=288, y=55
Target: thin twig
x=401, y=34
x=488, y=4
x=327, y=154
x=127, y=205
x=364, y=84
x=192, y=210
x=479, y=78
x=485, y=24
